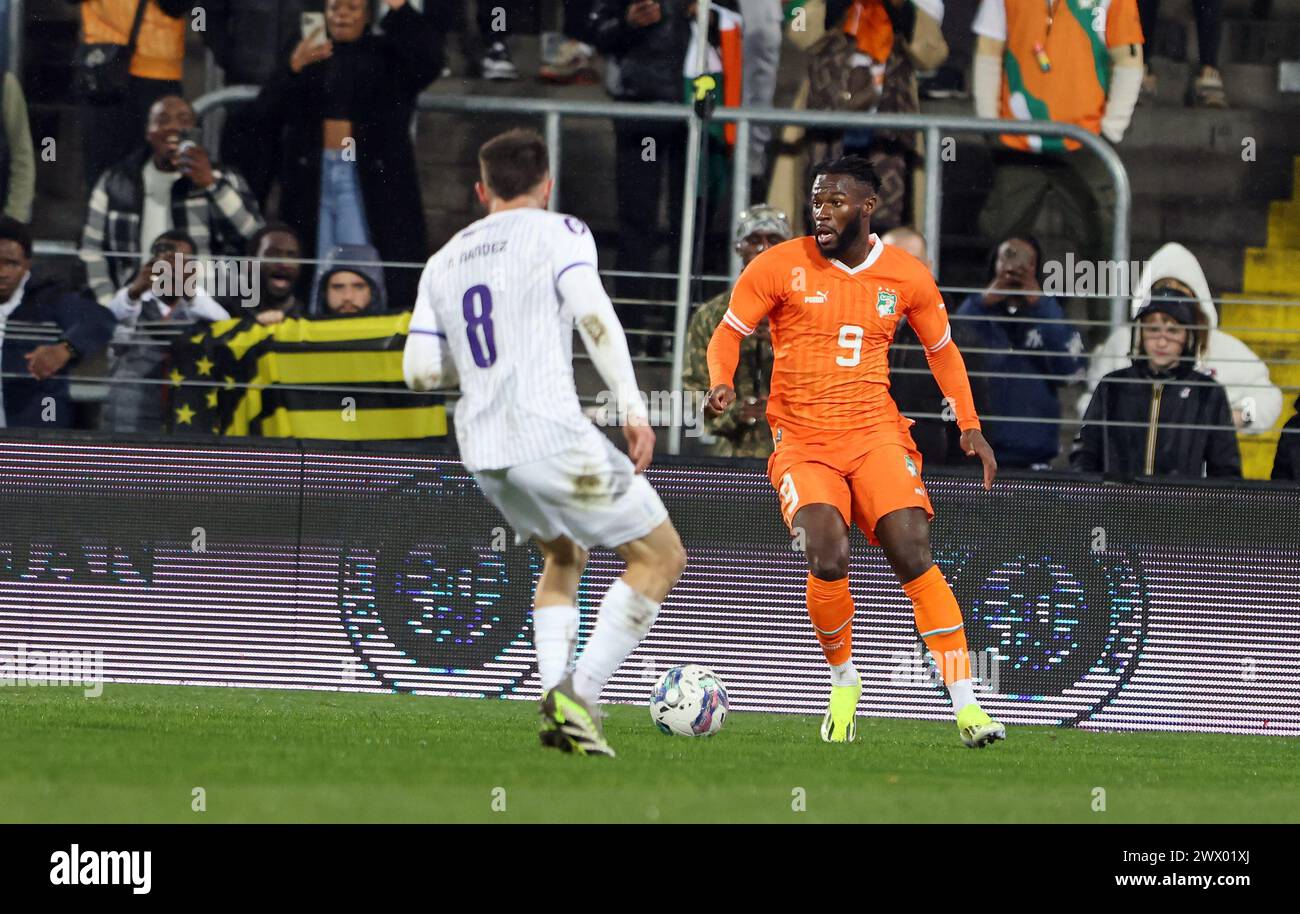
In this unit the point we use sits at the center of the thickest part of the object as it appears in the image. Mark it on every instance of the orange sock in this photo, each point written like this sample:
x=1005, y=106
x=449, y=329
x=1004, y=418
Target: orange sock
x=831, y=609
x=938, y=619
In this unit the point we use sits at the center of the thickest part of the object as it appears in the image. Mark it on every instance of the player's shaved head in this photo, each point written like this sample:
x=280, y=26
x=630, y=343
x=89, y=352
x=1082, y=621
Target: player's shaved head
x=514, y=163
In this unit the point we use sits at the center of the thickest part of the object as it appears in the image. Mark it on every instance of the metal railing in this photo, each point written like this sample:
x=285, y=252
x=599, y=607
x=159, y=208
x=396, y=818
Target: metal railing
x=14, y=29
x=553, y=111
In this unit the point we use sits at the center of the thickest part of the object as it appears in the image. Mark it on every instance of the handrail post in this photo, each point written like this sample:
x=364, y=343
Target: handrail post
x=1119, y=304
x=14, y=52
x=933, y=192
x=739, y=190
x=684, y=251
x=553, y=151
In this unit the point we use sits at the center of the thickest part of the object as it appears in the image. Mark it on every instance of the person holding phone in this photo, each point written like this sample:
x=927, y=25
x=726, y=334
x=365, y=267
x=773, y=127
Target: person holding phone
x=170, y=182
x=344, y=97
x=155, y=298
x=1028, y=351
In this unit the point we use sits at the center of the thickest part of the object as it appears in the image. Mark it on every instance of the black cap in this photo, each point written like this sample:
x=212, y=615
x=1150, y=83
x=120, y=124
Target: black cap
x=1181, y=307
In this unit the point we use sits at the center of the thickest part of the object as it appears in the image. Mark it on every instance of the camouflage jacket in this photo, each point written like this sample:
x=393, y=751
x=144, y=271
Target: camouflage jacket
x=753, y=377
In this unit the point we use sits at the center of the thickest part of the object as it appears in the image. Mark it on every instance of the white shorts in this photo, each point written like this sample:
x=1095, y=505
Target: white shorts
x=590, y=493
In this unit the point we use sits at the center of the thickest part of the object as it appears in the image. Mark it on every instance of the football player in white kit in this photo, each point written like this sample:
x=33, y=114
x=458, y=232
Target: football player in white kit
x=496, y=310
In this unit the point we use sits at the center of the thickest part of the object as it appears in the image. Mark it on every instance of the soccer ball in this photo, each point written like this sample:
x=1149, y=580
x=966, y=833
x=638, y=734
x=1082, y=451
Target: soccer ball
x=689, y=701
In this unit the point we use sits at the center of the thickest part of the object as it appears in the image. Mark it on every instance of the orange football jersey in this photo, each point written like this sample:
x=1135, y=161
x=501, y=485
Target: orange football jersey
x=831, y=330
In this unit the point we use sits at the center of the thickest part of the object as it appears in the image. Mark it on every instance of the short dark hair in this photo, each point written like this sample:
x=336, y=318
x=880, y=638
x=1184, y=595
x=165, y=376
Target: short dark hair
x=13, y=230
x=175, y=235
x=855, y=166
x=270, y=228
x=514, y=162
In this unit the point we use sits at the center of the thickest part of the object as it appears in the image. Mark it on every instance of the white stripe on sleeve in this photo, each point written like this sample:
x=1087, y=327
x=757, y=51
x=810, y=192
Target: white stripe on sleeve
x=737, y=324
x=943, y=340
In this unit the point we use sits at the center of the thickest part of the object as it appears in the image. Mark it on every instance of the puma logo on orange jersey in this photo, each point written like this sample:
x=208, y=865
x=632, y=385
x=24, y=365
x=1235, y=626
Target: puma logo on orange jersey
x=817, y=299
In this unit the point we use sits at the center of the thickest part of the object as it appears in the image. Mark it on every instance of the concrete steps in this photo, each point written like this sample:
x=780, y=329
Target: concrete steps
x=1249, y=84
x=1272, y=272
x=1273, y=333
x=1261, y=41
x=1197, y=219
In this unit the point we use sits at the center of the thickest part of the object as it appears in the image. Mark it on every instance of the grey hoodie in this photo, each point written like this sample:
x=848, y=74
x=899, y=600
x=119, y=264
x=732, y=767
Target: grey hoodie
x=352, y=258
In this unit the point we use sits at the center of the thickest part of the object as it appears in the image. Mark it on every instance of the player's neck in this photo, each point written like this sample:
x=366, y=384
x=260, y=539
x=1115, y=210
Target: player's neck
x=861, y=249
x=524, y=201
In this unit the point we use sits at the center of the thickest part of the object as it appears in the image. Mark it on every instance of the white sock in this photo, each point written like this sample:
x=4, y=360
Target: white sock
x=962, y=693
x=555, y=635
x=844, y=674
x=622, y=621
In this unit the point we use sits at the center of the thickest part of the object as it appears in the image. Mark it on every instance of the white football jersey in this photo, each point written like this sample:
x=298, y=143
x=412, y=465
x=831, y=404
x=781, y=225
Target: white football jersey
x=491, y=292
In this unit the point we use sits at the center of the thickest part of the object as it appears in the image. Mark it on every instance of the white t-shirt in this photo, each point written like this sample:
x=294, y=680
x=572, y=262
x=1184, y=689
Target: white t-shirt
x=157, y=215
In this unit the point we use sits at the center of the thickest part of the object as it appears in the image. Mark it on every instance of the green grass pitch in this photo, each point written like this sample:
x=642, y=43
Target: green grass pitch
x=137, y=753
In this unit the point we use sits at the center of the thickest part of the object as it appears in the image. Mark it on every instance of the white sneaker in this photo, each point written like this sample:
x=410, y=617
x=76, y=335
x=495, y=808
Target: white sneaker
x=496, y=63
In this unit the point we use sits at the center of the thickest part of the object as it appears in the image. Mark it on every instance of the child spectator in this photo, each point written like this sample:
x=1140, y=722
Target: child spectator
x=1137, y=422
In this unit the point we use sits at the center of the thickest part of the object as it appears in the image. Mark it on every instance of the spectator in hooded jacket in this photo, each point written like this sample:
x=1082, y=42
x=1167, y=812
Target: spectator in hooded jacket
x=1174, y=270
x=1192, y=432
x=349, y=284
x=1032, y=353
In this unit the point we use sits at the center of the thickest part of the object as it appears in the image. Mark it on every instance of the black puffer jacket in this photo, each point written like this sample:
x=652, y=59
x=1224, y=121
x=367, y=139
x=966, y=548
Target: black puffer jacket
x=650, y=59
x=1182, y=396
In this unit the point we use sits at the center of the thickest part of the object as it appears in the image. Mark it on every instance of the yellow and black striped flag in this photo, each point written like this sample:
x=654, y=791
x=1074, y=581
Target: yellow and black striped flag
x=238, y=377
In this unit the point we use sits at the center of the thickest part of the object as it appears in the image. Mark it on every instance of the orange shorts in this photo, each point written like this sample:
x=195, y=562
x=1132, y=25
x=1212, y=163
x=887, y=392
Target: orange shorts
x=864, y=475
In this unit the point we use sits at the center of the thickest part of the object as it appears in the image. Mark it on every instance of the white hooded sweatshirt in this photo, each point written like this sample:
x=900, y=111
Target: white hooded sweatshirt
x=1227, y=359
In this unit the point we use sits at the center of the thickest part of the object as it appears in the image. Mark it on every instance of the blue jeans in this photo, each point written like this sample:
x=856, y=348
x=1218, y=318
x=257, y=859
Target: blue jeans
x=342, y=213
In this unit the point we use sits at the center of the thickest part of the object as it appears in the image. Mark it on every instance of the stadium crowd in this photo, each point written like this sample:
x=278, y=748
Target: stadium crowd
x=326, y=149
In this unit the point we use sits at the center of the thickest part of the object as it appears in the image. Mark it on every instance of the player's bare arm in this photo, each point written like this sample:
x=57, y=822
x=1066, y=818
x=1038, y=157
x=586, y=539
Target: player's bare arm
x=973, y=444
x=640, y=439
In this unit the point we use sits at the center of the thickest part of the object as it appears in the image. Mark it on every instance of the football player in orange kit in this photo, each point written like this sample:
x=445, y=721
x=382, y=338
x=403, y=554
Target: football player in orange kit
x=844, y=454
